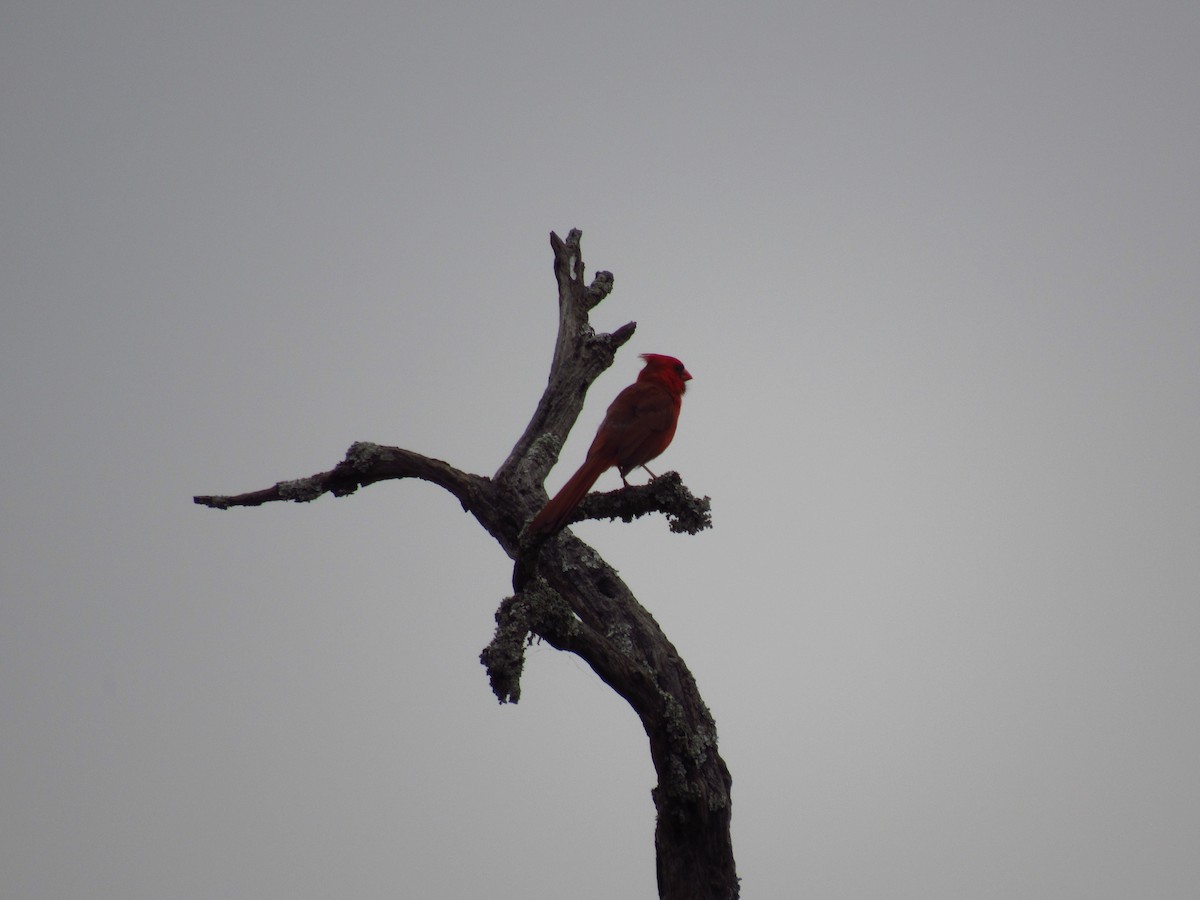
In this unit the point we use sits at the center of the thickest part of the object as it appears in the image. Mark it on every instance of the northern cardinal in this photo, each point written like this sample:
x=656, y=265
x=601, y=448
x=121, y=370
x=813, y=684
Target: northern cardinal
x=638, y=427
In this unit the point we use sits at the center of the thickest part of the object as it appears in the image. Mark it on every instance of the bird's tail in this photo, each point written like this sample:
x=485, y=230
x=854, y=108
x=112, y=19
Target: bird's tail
x=554, y=515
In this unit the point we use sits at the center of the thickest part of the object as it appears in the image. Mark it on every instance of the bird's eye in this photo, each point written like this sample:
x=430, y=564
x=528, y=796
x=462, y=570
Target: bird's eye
x=679, y=368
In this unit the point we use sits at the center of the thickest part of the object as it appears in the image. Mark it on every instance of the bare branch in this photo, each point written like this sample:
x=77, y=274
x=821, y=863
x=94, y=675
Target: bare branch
x=365, y=464
x=686, y=513
x=580, y=356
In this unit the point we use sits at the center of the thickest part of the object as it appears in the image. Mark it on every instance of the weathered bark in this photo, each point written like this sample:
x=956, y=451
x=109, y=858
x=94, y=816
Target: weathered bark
x=568, y=596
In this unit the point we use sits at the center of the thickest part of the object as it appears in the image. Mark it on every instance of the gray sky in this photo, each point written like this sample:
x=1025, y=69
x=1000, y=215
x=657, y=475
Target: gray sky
x=934, y=268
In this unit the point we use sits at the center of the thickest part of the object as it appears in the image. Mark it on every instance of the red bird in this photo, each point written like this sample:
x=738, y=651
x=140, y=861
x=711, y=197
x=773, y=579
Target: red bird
x=638, y=427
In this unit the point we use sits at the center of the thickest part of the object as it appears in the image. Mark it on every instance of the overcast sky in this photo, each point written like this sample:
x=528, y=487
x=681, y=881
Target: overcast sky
x=934, y=268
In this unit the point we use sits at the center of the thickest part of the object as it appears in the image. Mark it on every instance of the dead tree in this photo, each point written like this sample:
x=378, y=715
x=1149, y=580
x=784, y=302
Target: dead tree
x=566, y=595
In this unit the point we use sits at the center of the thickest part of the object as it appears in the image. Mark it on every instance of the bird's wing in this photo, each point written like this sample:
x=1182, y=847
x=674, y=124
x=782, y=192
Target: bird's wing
x=638, y=426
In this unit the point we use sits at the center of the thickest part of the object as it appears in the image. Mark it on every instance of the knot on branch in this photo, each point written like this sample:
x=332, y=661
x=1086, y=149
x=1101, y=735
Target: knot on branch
x=364, y=454
x=693, y=739
x=536, y=611
x=600, y=288
x=300, y=490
